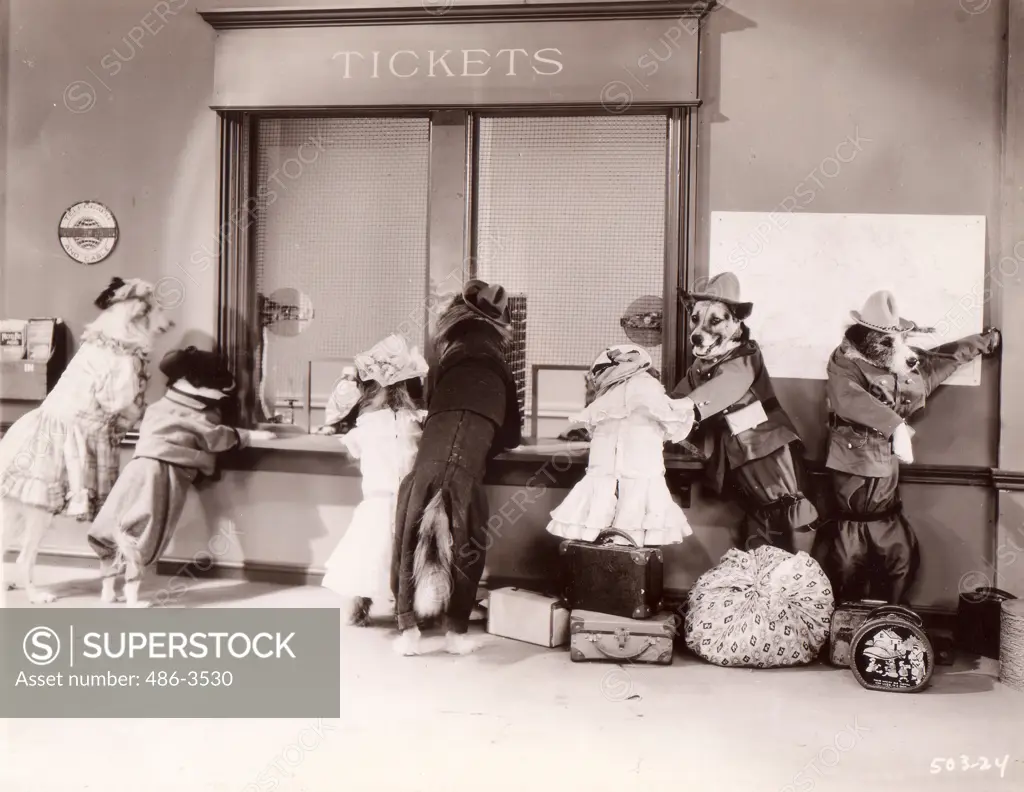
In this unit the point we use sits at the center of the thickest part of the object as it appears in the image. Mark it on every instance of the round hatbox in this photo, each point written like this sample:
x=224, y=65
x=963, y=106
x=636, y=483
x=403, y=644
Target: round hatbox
x=891, y=652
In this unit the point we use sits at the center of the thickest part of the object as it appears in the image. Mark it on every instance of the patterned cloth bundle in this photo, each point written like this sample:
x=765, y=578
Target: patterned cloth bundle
x=762, y=609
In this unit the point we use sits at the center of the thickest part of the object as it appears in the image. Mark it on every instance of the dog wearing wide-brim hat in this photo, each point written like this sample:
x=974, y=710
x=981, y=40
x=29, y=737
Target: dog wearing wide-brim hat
x=876, y=381
x=472, y=415
x=755, y=451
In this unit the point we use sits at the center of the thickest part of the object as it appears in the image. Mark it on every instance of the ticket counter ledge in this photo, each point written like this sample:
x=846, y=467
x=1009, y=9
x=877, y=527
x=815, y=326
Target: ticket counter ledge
x=544, y=463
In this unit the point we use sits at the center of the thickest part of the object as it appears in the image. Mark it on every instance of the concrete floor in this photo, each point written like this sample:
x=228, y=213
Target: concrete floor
x=518, y=717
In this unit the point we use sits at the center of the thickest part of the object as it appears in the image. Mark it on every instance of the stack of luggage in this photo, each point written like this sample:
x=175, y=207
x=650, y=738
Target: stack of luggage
x=610, y=608
x=614, y=594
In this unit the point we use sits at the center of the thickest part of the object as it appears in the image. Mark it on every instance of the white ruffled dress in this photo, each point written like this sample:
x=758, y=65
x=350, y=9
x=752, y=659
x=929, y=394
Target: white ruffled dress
x=385, y=444
x=624, y=487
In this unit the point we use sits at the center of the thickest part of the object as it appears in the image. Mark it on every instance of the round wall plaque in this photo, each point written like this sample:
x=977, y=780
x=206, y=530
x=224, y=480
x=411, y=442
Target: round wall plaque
x=88, y=232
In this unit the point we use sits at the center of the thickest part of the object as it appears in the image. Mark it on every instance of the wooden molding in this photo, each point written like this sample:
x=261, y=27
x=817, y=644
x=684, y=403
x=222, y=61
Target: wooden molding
x=1010, y=480
x=940, y=475
x=946, y=475
x=446, y=12
x=522, y=468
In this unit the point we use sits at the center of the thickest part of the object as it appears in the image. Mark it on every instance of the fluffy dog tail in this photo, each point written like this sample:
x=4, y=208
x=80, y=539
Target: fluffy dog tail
x=127, y=554
x=432, y=560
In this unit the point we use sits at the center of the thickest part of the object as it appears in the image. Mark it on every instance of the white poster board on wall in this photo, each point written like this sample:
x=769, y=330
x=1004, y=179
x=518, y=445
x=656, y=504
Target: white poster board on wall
x=805, y=272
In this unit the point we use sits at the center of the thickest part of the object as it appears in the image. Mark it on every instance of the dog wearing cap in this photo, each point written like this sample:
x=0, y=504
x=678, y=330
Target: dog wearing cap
x=63, y=457
x=472, y=415
x=180, y=437
x=876, y=381
x=755, y=452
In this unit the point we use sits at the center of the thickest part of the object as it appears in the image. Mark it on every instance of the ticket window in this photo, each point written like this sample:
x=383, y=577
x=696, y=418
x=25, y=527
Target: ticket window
x=339, y=249
x=570, y=211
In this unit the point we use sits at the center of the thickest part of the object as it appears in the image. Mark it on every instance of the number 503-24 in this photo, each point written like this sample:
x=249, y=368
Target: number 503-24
x=965, y=762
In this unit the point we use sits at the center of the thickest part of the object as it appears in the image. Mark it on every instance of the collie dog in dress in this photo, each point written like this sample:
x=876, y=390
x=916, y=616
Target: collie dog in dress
x=179, y=439
x=384, y=440
x=629, y=420
x=63, y=457
x=472, y=415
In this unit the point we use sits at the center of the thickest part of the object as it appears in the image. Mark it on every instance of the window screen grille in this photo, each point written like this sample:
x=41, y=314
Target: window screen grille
x=570, y=212
x=341, y=217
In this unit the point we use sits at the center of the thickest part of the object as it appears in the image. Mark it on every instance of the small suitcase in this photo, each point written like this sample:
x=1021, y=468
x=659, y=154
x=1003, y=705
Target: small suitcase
x=891, y=652
x=526, y=616
x=618, y=580
x=600, y=636
x=977, y=620
x=846, y=619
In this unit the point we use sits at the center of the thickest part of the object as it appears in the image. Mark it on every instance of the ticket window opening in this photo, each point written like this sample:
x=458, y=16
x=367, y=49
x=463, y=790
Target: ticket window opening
x=558, y=393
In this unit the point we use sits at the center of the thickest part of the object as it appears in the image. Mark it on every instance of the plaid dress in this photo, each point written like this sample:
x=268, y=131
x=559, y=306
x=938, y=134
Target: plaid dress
x=64, y=455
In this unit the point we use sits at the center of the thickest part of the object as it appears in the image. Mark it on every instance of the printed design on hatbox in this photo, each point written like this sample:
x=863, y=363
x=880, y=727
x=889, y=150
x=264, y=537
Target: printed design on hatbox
x=893, y=658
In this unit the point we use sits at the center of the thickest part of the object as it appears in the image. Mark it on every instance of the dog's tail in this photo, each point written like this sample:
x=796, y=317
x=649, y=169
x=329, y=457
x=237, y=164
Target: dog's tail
x=432, y=560
x=127, y=554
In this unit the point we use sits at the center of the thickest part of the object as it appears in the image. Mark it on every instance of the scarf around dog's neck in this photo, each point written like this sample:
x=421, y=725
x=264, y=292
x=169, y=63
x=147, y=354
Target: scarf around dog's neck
x=115, y=345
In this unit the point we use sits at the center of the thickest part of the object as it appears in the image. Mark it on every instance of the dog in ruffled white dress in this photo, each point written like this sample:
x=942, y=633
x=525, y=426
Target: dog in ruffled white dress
x=629, y=421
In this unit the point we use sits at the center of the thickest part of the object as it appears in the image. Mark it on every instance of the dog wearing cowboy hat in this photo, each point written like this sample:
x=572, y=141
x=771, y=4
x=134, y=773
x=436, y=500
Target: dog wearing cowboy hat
x=472, y=415
x=876, y=381
x=755, y=452
x=63, y=457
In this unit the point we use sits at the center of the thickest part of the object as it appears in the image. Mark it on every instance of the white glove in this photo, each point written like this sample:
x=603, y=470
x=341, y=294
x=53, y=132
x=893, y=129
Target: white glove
x=261, y=434
x=326, y=430
x=678, y=429
x=901, y=446
x=686, y=403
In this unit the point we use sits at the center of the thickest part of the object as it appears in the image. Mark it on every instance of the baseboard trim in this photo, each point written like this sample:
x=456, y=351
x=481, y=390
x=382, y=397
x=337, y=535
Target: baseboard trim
x=293, y=575
x=281, y=574
x=675, y=600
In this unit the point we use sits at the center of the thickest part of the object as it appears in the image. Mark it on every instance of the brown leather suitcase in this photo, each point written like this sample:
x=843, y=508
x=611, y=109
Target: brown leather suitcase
x=620, y=580
x=599, y=636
